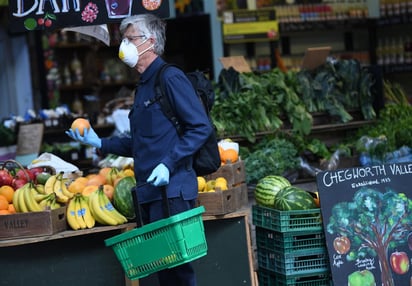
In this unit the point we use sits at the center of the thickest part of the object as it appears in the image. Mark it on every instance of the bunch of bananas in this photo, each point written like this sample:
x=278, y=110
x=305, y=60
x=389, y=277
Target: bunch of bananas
x=79, y=215
x=103, y=210
x=57, y=184
x=32, y=198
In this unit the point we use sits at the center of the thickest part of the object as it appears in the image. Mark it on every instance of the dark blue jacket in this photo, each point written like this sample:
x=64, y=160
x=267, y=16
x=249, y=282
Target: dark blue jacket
x=154, y=139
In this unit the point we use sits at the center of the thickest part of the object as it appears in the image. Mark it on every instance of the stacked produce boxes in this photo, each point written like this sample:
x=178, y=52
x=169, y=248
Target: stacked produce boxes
x=220, y=202
x=291, y=247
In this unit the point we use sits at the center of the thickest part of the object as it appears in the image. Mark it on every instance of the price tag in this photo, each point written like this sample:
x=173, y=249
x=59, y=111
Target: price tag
x=30, y=137
x=237, y=62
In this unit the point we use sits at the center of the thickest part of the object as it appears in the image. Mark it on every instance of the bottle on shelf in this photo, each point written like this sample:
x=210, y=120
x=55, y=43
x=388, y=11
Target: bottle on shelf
x=400, y=52
x=77, y=105
x=76, y=67
x=67, y=76
x=407, y=46
x=380, y=53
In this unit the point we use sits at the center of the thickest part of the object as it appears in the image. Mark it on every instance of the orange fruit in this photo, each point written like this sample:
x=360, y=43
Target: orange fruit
x=76, y=187
x=81, y=124
x=229, y=156
x=96, y=180
x=108, y=190
x=12, y=209
x=5, y=212
x=104, y=171
x=4, y=203
x=82, y=180
x=89, y=189
x=7, y=192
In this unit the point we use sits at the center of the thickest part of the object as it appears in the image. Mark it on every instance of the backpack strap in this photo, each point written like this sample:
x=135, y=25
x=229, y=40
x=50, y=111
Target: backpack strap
x=164, y=99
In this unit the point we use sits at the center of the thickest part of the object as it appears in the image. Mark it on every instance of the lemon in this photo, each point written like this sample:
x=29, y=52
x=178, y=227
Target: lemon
x=210, y=185
x=221, y=183
x=201, y=184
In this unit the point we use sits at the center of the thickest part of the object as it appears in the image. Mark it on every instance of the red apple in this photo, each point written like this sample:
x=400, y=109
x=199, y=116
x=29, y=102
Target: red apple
x=34, y=172
x=24, y=174
x=18, y=183
x=399, y=262
x=5, y=178
x=341, y=244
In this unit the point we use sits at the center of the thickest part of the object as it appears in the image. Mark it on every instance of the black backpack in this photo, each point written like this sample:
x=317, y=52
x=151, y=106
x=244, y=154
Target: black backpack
x=207, y=159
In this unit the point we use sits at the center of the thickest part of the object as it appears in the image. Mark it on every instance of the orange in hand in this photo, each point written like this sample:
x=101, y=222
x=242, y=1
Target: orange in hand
x=81, y=124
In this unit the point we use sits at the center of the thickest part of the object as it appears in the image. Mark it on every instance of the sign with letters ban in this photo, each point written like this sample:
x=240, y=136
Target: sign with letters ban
x=27, y=15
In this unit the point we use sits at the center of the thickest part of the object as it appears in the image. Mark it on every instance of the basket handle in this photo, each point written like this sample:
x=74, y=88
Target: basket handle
x=138, y=211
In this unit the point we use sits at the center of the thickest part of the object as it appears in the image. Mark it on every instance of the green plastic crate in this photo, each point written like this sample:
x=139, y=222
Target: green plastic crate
x=287, y=221
x=290, y=242
x=270, y=278
x=162, y=244
x=313, y=261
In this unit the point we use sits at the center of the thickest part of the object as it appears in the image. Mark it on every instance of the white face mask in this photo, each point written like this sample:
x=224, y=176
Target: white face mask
x=128, y=52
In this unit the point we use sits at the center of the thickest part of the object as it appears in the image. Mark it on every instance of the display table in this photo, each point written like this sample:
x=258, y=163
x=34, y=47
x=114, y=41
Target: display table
x=81, y=258
x=65, y=259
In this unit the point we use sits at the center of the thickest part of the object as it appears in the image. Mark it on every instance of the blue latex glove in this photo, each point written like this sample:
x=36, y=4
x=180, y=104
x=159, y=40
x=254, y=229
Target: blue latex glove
x=159, y=176
x=89, y=137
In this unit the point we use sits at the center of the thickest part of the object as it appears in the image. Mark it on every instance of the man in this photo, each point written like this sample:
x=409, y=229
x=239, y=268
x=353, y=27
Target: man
x=161, y=156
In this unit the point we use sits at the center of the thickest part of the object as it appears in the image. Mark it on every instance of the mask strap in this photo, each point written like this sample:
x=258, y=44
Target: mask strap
x=145, y=50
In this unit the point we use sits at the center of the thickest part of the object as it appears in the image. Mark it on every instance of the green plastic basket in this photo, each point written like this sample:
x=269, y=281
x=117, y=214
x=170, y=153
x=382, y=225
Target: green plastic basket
x=161, y=244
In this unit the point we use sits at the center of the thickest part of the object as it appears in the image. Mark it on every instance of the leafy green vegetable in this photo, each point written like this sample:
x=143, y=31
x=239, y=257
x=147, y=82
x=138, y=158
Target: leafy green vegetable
x=338, y=87
x=272, y=156
x=394, y=124
x=244, y=111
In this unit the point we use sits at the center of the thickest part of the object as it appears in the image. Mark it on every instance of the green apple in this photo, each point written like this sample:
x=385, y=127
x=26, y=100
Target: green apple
x=361, y=278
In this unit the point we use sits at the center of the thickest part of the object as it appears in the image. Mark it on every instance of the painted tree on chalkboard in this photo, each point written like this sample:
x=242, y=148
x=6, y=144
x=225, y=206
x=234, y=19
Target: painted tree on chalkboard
x=374, y=222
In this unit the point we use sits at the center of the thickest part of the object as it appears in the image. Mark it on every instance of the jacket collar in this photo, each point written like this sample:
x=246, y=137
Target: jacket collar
x=151, y=70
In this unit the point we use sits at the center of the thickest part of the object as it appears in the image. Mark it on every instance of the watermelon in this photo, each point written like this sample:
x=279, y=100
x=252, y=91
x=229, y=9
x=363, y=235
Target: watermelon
x=293, y=198
x=267, y=188
x=122, y=197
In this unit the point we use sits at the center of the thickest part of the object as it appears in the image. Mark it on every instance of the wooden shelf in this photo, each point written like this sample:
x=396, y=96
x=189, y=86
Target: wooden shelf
x=64, y=234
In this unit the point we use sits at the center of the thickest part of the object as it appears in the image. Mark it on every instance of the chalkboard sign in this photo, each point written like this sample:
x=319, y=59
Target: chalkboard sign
x=49, y=15
x=367, y=218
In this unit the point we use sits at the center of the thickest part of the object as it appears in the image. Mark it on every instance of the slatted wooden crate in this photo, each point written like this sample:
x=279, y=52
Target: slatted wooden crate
x=233, y=173
x=33, y=224
x=223, y=202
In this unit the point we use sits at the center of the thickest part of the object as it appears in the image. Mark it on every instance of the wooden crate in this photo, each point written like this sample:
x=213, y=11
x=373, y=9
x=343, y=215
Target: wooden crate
x=241, y=196
x=233, y=173
x=223, y=202
x=33, y=223
x=218, y=202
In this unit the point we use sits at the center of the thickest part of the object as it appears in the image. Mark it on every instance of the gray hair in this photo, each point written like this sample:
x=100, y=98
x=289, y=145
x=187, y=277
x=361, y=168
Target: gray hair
x=151, y=26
